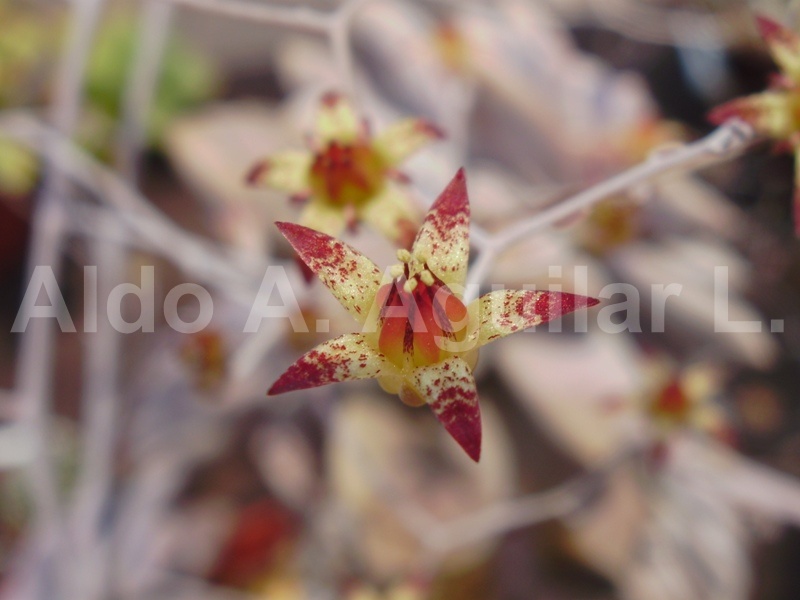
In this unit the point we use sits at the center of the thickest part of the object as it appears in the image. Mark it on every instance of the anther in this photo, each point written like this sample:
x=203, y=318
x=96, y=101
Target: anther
x=403, y=255
x=396, y=271
x=421, y=256
x=426, y=277
x=410, y=285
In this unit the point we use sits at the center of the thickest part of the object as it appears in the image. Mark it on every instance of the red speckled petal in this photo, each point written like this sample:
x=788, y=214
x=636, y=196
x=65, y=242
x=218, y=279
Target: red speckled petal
x=504, y=312
x=404, y=138
x=771, y=113
x=449, y=388
x=345, y=358
x=784, y=46
x=285, y=171
x=350, y=276
x=444, y=236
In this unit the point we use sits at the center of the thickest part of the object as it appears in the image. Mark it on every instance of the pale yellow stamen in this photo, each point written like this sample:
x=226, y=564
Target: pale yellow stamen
x=426, y=277
x=421, y=256
x=403, y=255
x=396, y=271
x=410, y=285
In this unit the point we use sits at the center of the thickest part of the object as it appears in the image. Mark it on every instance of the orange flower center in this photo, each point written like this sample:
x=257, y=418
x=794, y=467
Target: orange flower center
x=347, y=174
x=672, y=404
x=418, y=317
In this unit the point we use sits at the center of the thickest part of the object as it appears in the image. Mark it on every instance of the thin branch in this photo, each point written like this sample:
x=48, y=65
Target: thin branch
x=140, y=89
x=250, y=354
x=440, y=538
x=655, y=25
x=101, y=398
x=100, y=405
x=339, y=39
x=37, y=348
x=503, y=517
x=746, y=483
x=234, y=274
x=478, y=236
x=722, y=144
x=300, y=18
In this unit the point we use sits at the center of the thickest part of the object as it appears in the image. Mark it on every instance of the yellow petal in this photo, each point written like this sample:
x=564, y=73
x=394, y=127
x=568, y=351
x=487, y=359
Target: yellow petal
x=346, y=358
x=773, y=114
x=449, y=389
x=323, y=217
x=336, y=119
x=443, y=239
x=285, y=171
x=393, y=214
x=350, y=276
x=501, y=313
x=784, y=46
x=405, y=137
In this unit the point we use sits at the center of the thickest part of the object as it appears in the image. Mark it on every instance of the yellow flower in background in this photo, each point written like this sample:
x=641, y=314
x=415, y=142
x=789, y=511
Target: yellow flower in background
x=349, y=176
x=774, y=113
x=686, y=400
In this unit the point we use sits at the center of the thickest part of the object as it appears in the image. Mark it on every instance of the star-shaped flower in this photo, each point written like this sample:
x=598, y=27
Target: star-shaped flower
x=774, y=113
x=419, y=340
x=349, y=176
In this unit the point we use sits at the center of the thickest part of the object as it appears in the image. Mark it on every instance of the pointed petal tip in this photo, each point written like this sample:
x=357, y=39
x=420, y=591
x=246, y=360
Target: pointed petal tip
x=346, y=358
x=555, y=304
x=288, y=230
x=767, y=27
x=287, y=383
x=444, y=234
x=454, y=197
x=295, y=231
x=465, y=428
x=590, y=302
x=470, y=440
x=473, y=450
x=281, y=386
x=301, y=239
x=449, y=388
x=349, y=275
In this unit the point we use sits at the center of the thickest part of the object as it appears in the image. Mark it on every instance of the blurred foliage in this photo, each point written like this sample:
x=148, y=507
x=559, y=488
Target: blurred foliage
x=28, y=50
x=186, y=80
